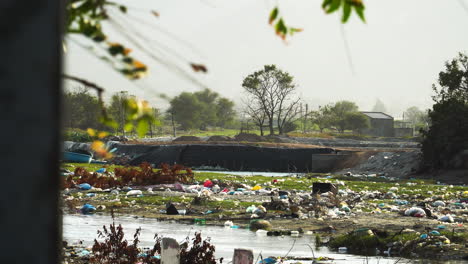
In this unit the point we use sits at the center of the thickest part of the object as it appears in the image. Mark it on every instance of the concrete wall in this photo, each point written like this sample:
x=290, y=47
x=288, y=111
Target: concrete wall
x=380, y=128
x=403, y=131
x=237, y=157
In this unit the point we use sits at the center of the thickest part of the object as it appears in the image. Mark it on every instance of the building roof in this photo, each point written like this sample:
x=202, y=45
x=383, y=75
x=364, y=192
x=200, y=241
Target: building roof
x=377, y=115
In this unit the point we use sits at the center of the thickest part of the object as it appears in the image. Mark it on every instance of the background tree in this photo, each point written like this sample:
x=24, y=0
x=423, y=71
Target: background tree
x=201, y=109
x=356, y=121
x=322, y=118
x=82, y=110
x=117, y=109
x=448, y=131
x=273, y=91
x=186, y=110
x=258, y=116
x=225, y=112
x=339, y=111
x=379, y=106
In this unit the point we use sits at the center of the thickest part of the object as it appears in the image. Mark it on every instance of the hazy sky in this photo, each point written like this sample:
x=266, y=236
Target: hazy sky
x=397, y=54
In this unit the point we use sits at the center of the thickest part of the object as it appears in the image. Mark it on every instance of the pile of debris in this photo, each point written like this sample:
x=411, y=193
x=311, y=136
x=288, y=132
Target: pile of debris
x=388, y=164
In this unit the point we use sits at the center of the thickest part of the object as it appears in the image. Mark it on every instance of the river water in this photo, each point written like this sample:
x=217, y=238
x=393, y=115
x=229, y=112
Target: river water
x=84, y=227
x=253, y=173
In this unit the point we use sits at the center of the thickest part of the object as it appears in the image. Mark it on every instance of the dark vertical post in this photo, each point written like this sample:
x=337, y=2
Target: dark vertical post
x=30, y=95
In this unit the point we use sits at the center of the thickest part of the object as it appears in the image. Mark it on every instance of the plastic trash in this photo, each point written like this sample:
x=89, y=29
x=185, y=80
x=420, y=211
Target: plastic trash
x=127, y=188
x=171, y=209
x=435, y=233
x=415, y=212
x=342, y=249
x=261, y=232
x=216, y=188
x=439, y=203
x=235, y=227
x=88, y=209
x=256, y=188
x=401, y=202
x=134, y=193
x=228, y=223
x=268, y=261
x=441, y=227
x=84, y=186
x=182, y=212
x=208, y=184
x=423, y=236
x=447, y=219
x=84, y=253
x=200, y=221
x=114, y=192
x=101, y=170
x=251, y=209
x=90, y=194
x=294, y=233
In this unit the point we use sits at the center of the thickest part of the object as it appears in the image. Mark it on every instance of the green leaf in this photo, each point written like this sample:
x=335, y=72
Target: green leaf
x=346, y=12
x=281, y=27
x=360, y=11
x=273, y=15
x=128, y=127
x=142, y=127
x=326, y=3
x=123, y=9
x=335, y=5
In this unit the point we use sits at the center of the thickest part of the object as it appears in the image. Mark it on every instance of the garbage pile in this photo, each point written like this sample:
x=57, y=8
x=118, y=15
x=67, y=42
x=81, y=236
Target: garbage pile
x=388, y=164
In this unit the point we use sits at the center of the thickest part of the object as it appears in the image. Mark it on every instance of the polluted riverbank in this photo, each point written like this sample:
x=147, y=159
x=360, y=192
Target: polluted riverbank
x=373, y=203
x=82, y=230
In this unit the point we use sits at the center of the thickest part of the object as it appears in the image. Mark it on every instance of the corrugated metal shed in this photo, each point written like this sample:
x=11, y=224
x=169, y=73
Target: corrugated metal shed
x=377, y=115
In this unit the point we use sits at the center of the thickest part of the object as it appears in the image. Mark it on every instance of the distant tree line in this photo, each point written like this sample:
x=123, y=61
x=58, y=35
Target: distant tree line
x=200, y=110
x=83, y=110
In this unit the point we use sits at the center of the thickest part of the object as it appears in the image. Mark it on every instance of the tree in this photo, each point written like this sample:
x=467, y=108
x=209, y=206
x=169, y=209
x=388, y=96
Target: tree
x=258, y=116
x=201, y=109
x=356, y=121
x=82, y=110
x=117, y=109
x=186, y=110
x=339, y=111
x=323, y=117
x=225, y=112
x=448, y=131
x=272, y=90
x=379, y=106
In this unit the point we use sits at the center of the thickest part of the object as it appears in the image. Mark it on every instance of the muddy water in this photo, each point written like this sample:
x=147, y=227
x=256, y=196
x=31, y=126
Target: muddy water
x=79, y=227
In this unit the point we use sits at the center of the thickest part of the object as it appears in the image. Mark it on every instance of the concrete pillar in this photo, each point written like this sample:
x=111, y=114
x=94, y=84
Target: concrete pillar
x=242, y=256
x=30, y=92
x=170, y=251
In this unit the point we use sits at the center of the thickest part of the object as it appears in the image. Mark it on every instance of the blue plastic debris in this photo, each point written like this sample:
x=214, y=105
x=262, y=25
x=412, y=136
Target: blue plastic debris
x=101, y=170
x=267, y=261
x=283, y=197
x=90, y=194
x=440, y=227
x=435, y=233
x=88, y=209
x=84, y=186
x=423, y=236
x=84, y=253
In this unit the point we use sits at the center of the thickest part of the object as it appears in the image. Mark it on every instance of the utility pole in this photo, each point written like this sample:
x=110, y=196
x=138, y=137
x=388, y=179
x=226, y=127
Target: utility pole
x=173, y=125
x=123, y=98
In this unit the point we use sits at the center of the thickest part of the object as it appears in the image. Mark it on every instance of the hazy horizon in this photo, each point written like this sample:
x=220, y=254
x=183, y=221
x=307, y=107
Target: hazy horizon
x=397, y=54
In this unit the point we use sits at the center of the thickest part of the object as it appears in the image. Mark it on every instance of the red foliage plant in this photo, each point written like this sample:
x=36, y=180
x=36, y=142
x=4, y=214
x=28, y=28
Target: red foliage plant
x=144, y=175
x=115, y=250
